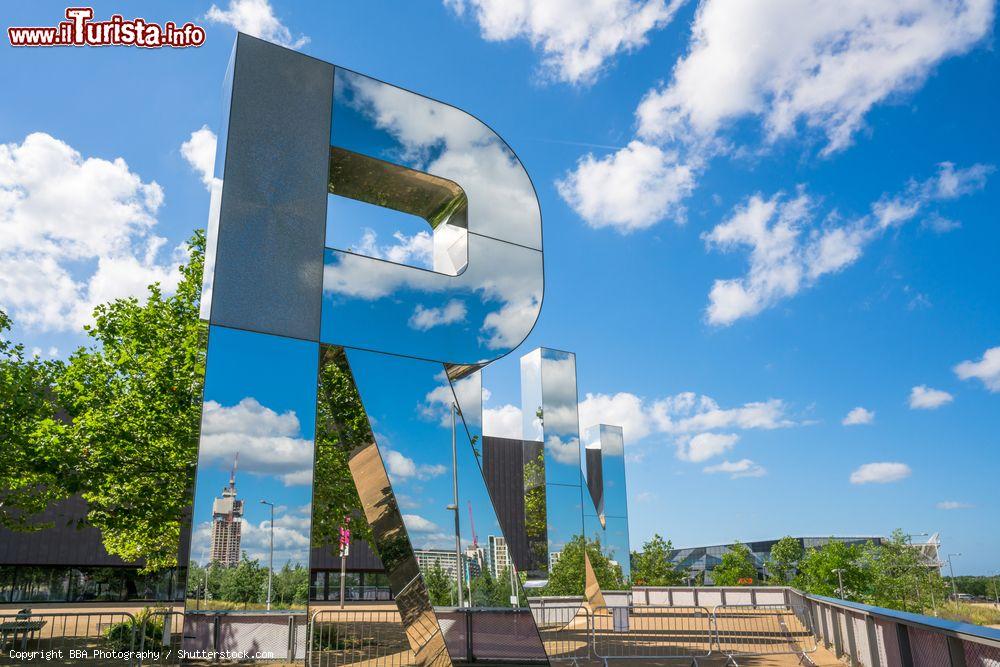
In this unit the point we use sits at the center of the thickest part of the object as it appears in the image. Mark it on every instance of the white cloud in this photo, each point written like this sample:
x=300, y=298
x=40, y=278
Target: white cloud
x=796, y=66
x=737, y=469
x=789, y=253
x=806, y=63
x=986, y=370
x=424, y=319
x=199, y=151
x=563, y=450
x=415, y=250
x=256, y=18
x=923, y=397
x=622, y=409
x=402, y=468
x=577, y=37
x=689, y=419
x=705, y=446
x=630, y=189
x=75, y=232
x=503, y=422
x=880, y=473
x=859, y=415
x=418, y=524
x=268, y=442
x=953, y=505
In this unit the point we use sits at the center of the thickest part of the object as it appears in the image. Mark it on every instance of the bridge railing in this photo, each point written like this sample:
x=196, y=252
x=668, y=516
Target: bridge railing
x=878, y=637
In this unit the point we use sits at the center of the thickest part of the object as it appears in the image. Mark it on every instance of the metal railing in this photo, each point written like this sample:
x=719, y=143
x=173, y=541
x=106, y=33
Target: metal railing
x=265, y=636
x=567, y=629
x=564, y=628
x=651, y=632
x=346, y=637
x=99, y=638
x=159, y=637
x=877, y=637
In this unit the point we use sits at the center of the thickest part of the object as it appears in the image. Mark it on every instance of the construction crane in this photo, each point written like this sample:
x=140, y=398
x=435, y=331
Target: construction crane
x=472, y=526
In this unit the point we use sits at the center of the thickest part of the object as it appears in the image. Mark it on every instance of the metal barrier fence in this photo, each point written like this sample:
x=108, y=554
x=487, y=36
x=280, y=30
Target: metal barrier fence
x=568, y=630
x=346, y=637
x=651, y=632
x=98, y=638
x=267, y=636
x=751, y=630
x=564, y=628
x=877, y=637
x=159, y=637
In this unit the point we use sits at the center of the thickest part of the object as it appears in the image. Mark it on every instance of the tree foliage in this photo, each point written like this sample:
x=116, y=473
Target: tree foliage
x=32, y=475
x=652, y=565
x=341, y=428
x=890, y=574
x=122, y=424
x=737, y=565
x=785, y=556
x=243, y=584
x=134, y=401
x=568, y=575
x=440, y=586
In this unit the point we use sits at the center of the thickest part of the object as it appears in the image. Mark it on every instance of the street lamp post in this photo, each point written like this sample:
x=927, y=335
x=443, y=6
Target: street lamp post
x=996, y=592
x=840, y=581
x=270, y=557
x=951, y=569
x=454, y=505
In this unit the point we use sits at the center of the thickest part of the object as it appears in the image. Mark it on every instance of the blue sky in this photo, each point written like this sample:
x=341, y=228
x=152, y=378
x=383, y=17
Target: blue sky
x=753, y=223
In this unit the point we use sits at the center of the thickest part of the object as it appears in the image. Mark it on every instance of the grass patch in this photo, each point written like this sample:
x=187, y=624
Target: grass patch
x=979, y=614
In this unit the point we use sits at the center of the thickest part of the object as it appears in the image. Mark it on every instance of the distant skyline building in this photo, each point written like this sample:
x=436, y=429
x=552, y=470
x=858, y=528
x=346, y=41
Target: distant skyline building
x=443, y=558
x=475, y=560
x=227, y=516
x=497, y=555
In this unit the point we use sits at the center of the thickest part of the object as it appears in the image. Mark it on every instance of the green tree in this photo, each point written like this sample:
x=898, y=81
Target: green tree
x=342, y=428
x=818, y=571
x=785, y=556
x=568, y=575
x=32, y=473
x=488, y=591
x=289, y=586
x=440, y=586
x=535, y=513
x=736, y=564
x=652, y=565
x=898, y=578
x=243, y=584
x=134, y=400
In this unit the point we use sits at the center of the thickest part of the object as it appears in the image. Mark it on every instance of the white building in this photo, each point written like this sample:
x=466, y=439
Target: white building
x=497, y=555
x=446, y=559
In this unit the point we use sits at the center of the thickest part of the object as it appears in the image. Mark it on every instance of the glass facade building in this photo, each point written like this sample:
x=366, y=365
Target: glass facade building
x=700, y=561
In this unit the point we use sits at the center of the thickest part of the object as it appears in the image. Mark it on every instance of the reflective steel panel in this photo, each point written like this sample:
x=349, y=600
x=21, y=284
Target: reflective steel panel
x=397, y=126
x=479, y=288
x=268, y=267
x=552, y=474
x=255, y=462
x=344, y=436
x=607, y=518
